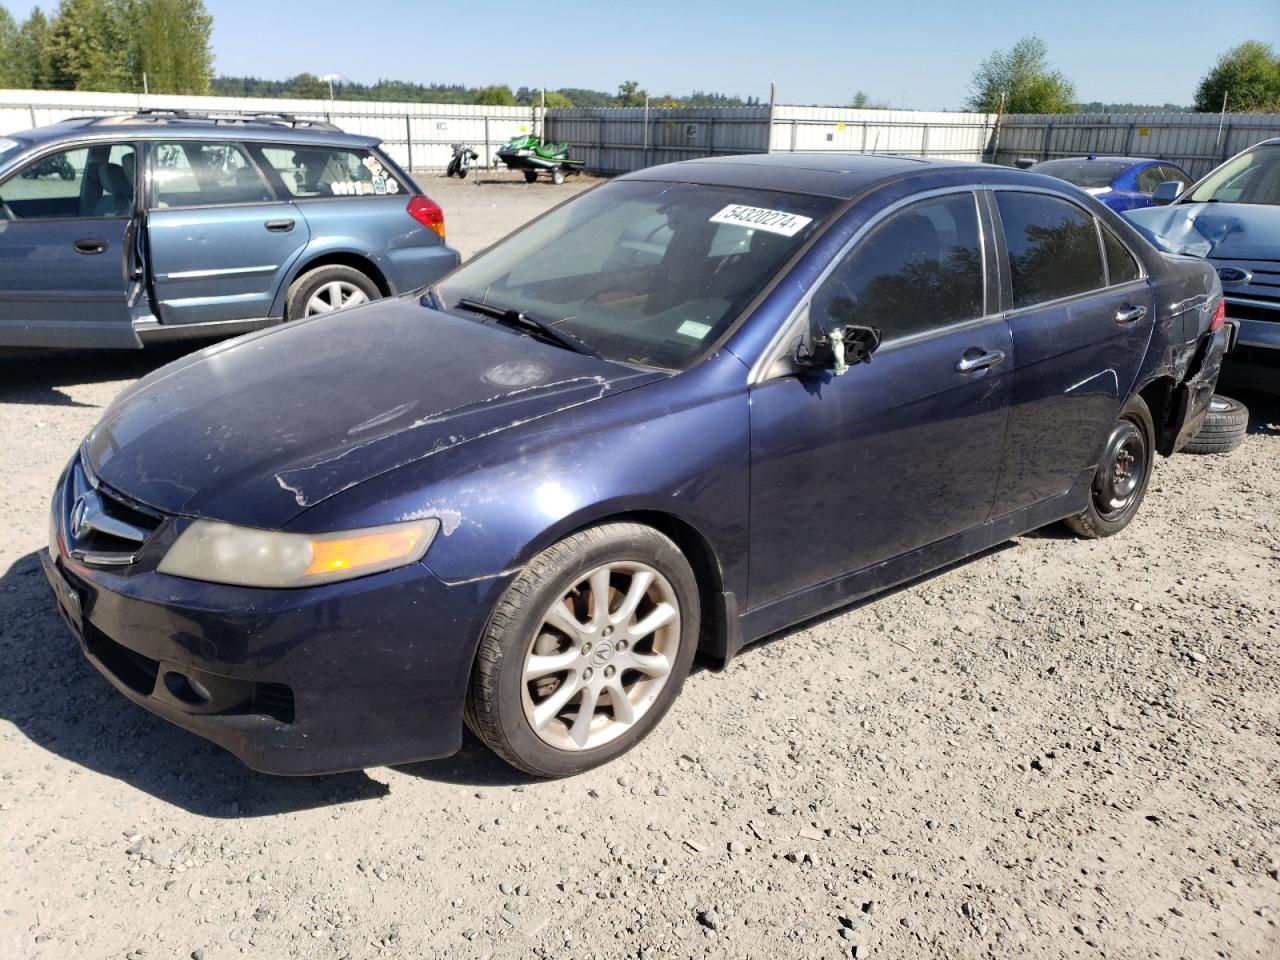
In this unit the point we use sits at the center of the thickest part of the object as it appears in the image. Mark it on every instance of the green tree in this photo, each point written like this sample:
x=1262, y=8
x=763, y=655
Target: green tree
x=305, y=86
x=630, y=94
x=1249, y=76
x=13, y=67
x=173, y=45
x=496, y=96
x=35, y=51
x=558, y=100
x=92, y=45
x=1025, y=79
x=863, y=101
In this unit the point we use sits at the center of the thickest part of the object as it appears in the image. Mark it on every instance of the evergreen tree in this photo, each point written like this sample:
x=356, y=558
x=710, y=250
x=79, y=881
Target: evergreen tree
x=173, y=45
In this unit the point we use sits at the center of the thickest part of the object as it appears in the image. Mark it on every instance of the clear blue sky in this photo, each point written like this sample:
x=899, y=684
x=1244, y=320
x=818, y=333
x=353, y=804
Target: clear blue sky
x=909, y=53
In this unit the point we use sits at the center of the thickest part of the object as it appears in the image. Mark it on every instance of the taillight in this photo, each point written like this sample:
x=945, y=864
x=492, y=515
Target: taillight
x=1216, y=324
x=428, y=213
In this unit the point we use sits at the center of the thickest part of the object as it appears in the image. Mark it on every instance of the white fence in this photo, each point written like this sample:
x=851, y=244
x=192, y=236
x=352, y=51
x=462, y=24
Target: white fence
x=618, y=139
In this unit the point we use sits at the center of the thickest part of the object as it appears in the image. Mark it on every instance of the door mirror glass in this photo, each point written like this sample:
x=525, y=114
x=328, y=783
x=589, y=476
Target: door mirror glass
x=1166, y=193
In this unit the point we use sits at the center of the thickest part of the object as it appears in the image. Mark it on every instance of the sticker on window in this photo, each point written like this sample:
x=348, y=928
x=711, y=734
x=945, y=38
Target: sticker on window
x=757, y=218
x=694, y=329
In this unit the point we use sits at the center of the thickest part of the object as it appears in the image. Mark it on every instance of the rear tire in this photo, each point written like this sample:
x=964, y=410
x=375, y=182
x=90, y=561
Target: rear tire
x=1224, y=427
x=564, y=681
x=530, y=176
x=1123, y=475
x=312, y=288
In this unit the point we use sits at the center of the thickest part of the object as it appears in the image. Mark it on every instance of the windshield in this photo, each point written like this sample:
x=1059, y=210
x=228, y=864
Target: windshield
x=1083, y=173
x=9, y=148
x=643, y=272
x=1252, y=177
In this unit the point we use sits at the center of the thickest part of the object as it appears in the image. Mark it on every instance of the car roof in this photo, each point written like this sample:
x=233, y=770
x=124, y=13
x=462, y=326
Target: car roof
x=153, y=125
x=843, y=176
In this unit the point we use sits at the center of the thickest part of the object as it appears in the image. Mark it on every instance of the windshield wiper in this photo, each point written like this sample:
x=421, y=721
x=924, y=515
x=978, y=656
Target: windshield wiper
x=518, y=318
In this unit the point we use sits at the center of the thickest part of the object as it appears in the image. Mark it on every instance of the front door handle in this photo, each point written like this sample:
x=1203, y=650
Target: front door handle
x=279, y=226
x=90, y=245
x=981, y=361
x=1130, y=314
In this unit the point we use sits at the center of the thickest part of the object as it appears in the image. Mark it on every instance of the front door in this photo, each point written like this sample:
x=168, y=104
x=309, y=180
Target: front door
x=852, y=470
x=220, y=242
x=1081, y=320
x=66, y=249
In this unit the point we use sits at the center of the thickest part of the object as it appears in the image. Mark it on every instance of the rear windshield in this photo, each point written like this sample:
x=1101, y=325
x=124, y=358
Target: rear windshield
x=1083, y=173
x=649, y=273
x=1252, y=177
x=9, y=148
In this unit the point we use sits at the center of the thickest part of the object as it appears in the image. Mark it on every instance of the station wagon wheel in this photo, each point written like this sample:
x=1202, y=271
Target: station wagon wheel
x=586, y=650
x=327, y=289
x=1122, y=476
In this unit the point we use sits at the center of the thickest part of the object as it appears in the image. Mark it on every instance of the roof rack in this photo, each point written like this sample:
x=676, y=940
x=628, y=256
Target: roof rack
x=247, y=117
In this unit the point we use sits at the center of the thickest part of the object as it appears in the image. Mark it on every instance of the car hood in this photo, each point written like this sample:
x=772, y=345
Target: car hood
x=1222, y=231
x=256, y=430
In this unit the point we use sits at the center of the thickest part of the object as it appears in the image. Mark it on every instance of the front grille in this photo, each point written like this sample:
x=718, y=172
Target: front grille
x=275, y=700
x=1251, y=311
x=135, y=670
x=1262, y=284
x=103, y=527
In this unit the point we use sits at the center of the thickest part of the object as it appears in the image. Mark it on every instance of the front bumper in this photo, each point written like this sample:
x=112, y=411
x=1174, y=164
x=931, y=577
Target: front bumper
x=368, y=672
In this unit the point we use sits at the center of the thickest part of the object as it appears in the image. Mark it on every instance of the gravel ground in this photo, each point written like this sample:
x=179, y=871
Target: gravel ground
x=1057, y=749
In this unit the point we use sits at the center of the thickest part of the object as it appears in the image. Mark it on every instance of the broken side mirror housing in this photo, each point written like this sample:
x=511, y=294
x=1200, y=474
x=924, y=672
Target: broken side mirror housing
x=1166, y=193
x=839, y=349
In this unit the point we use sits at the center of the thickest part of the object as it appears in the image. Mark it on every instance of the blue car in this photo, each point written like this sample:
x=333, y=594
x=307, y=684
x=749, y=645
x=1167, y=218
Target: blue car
x=1232, y=217
x=1122, y=183
x=676, y=414
x=120, y=231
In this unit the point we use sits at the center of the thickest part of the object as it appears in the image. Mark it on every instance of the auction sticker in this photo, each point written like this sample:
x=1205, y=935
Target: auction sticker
x=758, y=218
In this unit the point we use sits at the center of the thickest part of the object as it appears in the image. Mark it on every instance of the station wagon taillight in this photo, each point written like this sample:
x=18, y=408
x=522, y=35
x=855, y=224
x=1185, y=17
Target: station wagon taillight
x=1219, y=315
x=428, y=213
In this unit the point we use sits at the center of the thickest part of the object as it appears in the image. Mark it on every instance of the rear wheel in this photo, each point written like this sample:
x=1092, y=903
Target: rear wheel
x=530, y=176
x=585, y=651
x=327, y=289
x=1224, y=427
x=1122, y=477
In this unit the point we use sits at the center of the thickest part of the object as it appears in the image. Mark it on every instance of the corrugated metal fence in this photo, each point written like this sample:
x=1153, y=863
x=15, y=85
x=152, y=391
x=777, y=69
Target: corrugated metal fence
x=618, y=139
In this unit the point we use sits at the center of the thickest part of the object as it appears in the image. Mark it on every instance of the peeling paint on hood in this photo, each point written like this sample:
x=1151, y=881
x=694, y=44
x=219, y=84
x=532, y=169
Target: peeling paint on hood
x=258, y=431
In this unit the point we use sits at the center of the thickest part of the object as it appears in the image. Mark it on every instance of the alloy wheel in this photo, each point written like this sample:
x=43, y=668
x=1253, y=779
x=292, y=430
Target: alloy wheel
x=335, y=295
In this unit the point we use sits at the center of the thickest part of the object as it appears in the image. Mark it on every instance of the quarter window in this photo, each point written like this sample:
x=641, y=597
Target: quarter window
x=1149, y=179
x=1053, y=247
x=190, y=174
x=84, y=182
x=918, y=270
x=315, y=171
x=1121, y=267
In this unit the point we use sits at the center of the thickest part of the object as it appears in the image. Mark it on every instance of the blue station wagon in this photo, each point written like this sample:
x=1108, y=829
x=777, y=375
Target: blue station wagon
x=680, y=412
x=123, y=230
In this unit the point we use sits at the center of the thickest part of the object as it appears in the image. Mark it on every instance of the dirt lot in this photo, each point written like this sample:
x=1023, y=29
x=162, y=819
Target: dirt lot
x=1057, y=749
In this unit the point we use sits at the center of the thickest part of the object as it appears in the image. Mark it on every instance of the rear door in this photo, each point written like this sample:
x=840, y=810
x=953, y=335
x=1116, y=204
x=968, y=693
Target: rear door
x=1081, y=317
x=220, y=241
x=66, y=248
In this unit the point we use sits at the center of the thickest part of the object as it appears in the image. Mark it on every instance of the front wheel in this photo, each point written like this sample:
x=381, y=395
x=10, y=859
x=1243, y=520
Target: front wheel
x=530, y=176
x=557, y=176
x=586, y=650
x=1123, y=474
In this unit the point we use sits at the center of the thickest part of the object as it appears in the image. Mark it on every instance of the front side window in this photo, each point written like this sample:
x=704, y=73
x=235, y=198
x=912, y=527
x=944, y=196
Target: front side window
x=642, y=272
x=83, y=182
x=1053, y=247
x=316, y=171
x=194, y=174
x=1252, y=177
x=1149, y=179
x=920, y=269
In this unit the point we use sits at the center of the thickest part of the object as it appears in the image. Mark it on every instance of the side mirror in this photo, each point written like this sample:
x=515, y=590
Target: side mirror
x=1166, y=193
x=838, y=350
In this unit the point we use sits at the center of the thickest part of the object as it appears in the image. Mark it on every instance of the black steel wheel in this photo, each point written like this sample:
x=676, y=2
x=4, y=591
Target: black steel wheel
x=1123, y=474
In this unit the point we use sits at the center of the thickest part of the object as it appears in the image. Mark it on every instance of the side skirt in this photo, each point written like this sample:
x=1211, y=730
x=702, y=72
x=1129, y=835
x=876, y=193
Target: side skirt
x=832, y=594
x=150, y=330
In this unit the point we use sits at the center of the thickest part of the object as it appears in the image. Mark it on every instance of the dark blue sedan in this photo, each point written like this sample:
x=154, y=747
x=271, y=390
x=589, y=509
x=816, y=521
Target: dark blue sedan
x=687, y=409
x=1122, y=183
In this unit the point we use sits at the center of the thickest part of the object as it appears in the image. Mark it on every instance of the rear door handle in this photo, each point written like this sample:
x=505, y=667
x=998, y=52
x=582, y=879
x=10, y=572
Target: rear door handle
x=1130, y=314
x=279, y=226
x=968, y=364
x=90, y=245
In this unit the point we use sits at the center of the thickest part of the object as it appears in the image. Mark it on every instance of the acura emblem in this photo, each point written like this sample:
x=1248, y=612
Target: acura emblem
x=1234, y=275
x=78, y=527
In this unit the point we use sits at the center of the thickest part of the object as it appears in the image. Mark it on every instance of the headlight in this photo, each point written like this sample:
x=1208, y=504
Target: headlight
x=224, y=553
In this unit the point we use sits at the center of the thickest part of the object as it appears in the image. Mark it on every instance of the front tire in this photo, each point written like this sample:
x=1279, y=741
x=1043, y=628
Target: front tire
x=586, y=650
x=1123, y=475
x=530, y=176
x=327, y=289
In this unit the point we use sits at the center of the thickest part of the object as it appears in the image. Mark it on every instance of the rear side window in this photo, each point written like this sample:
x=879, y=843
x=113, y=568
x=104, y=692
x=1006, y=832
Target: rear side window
x=316, y=171
x=194, y=174
x=1121, y=266
x=83, y=182
x=918, y=270
x=1053, y=247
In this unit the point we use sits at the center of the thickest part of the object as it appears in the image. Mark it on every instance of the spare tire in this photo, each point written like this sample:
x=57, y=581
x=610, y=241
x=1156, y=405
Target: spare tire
x=1223, y=429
